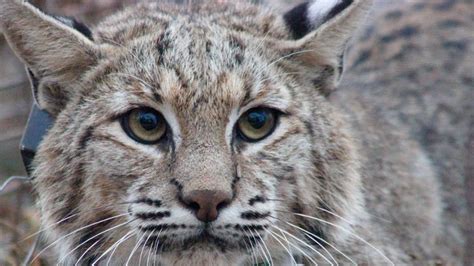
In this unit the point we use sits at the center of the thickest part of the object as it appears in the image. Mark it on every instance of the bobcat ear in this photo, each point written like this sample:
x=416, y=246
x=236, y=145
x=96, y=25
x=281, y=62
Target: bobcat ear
x=55, y=53
x=320, y=30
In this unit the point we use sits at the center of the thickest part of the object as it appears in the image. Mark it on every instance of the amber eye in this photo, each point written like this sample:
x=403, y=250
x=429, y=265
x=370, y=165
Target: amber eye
x=144, y=125
x=256, y=124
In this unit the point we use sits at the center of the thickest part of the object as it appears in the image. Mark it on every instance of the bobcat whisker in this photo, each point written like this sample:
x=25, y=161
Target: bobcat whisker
x=85, y=252
x=143, y=247
x=253, y=249
x=261, y=247
x=266, y=248
x=283, y=245
x=75, y=231
x=89, y=239
x=152, y=248
x=253, y=245
x=113, y=247
x=265, y=258
x=134, y=249
x=63, y=220
x=156, y=253
x=248, y=249
x=108, y=249
x=305, y=244
x=133, y=233
x=344, y=219
x=287, y=241
x=293, y=245
x=313, y=237
x=349, y=232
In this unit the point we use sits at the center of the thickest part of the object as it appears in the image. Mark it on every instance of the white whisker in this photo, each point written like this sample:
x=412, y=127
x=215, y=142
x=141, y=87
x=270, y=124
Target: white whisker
x=305, y=244
x=89, y=239
x=84, y=253
x=295, y=246
x=252, y=250
x=266, y=248
x=349, y=232
x=248, y=249
x=134, y=249
x=65, y=219
x=254, y=247
x=324, y=241
x=283, y=245
x=156, y=250
x=143, y=247
x=75, y=231
x=310, y=235
x=130, y=234
x=152, y=248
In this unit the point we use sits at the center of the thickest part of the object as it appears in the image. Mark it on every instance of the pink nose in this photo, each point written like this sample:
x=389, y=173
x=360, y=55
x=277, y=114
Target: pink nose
x=207, y=203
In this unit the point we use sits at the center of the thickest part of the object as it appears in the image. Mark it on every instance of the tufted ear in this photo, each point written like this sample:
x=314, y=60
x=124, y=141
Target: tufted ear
x=320, y=30
x=54, y=51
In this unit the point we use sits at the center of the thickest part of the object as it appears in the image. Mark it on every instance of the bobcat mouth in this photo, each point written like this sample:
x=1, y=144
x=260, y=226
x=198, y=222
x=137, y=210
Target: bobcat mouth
x=203, y=240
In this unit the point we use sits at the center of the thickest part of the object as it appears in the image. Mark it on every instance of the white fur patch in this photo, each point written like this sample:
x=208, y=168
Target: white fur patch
x=319, y=9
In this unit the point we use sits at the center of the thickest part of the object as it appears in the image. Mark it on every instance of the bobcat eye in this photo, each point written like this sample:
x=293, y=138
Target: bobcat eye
x=256, y=124
x=144, y=125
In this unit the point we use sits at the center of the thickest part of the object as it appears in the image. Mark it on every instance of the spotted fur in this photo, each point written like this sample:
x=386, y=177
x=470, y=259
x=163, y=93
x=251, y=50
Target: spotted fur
x=334, y=174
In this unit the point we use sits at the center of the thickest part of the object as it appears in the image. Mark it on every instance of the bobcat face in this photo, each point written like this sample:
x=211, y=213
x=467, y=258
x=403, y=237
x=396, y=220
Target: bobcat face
x=190, y=138
x=201, y=181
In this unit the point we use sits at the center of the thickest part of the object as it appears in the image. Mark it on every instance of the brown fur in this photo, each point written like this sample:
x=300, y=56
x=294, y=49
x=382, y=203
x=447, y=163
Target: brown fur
x=360, y=175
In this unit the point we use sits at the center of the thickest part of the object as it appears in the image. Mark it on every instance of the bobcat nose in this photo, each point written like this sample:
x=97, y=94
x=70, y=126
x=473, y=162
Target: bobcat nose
x=207, y=203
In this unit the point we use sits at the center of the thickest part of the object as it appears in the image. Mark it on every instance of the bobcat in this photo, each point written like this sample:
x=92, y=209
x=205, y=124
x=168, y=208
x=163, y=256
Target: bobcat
x=212, y=134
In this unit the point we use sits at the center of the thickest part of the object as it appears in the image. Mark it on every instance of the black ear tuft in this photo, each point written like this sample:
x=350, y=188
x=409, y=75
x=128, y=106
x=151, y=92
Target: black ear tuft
x=297, y=20
x=73, y=23
x=338, y=9
x=308, y=16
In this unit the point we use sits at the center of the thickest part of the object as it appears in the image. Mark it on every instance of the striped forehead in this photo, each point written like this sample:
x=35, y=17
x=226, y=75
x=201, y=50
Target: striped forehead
x=195, y=67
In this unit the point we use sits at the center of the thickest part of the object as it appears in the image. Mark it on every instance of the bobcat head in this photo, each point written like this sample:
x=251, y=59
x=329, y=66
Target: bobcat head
x=200, y=136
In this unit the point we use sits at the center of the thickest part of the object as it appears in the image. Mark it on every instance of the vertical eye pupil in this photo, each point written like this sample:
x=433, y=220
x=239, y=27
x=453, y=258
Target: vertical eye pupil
x=257, y=119
x=148, y=121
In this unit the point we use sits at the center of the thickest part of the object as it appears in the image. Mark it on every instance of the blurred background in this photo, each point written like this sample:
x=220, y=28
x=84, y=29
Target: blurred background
x=18, y=216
